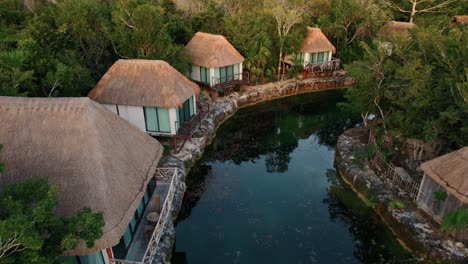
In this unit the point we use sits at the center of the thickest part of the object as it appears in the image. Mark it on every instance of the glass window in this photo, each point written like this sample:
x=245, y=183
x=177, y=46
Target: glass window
x=139, y=210
x=320, y=56
x=95, y=258
x=151, y=119
x=313, y=57
x=133, y=224
x=300, y=58
x=163, y=118
x=157, y=119
x=204, y=74
x=236, y=71
x=127, y=236
x=146, y=196
x=186, y=112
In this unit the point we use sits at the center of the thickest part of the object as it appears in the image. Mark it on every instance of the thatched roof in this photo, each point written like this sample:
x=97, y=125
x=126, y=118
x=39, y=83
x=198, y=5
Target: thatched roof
x=396, y=27
x=316, y=41
x=143, y=83
x=95, y=158
x=451, y=172
x=212, y=51
x=459, y=20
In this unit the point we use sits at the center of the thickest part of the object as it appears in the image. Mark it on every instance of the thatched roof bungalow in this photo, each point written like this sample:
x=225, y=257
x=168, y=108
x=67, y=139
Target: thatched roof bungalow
x=316, y=48
x=459, y=20
x=214, y=60
x=150, y=94
x=95, y=158
x=396, y=27
x=447, y=173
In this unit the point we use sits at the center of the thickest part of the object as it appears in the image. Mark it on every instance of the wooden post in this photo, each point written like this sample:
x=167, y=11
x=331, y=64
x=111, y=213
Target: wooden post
x=174, y=143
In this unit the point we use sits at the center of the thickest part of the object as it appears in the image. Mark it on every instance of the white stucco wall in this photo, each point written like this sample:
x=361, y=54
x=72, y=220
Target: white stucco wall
x=134, y=115
x=173, y=119
x=212, y=74
x=240, y=71
x=195, y=73
x=194, y=104
x=306, y=58
x=105, y=256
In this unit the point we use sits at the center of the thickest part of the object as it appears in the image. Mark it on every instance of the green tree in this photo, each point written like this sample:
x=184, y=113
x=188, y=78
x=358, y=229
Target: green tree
x=140, y=30
x=30, y=231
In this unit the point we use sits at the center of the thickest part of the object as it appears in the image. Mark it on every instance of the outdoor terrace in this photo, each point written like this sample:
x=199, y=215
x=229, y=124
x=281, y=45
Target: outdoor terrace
x=144, y=245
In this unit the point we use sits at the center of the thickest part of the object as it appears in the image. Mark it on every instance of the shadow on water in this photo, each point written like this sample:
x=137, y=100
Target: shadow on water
x=269, y=159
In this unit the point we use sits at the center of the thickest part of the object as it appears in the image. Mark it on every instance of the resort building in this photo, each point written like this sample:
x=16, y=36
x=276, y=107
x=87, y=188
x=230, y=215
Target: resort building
x=449, y=174
x=216, y=64
x=392, y=29
x=459, y=20
x=95, y=159
x=151, y=95
x=316, y=52
x=396, y=27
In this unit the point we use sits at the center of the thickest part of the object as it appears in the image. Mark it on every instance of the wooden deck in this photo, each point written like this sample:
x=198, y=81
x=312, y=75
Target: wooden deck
x=222, y=84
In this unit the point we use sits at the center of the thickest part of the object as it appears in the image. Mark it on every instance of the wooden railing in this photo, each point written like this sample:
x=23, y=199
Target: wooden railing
x=187, y=128
x=231, y=80
x=326, y=66
x=162, y=175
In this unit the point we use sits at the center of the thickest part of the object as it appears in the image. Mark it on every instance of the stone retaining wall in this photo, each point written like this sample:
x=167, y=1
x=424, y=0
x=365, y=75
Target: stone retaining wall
x=417, y=232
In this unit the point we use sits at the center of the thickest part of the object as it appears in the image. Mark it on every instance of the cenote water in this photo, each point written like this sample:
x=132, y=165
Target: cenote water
x=266, y=191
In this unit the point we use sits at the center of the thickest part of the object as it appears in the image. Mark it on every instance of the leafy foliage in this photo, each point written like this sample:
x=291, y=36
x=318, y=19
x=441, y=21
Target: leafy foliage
x=455, y=220
x=396, y=205
x=439, y=196
x=27, y=217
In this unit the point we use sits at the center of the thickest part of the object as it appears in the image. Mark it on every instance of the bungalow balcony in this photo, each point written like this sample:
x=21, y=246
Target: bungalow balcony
x=326, y=66
x=147, y=236
x=225, y=82
x=222, y=83
x=186, y=130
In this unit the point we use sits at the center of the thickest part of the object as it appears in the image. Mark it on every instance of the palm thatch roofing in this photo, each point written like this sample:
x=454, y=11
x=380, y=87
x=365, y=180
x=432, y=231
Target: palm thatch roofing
x=212, y=51
x=152, y=83
x=316, y=41
x=95, y=158
x=450, y=171
x=459, y=20
x=396, y=27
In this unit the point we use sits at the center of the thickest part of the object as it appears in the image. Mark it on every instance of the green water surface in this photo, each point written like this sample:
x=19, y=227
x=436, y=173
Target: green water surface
x=266, y=191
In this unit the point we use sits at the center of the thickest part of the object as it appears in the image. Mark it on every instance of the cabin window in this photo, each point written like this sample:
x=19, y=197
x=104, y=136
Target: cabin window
x=226, y=73
x=300, y=58
x=236, y=71
x=313, y=57
x=322, y=56
x=157, y=119
x=186, y=112
x=204, y=75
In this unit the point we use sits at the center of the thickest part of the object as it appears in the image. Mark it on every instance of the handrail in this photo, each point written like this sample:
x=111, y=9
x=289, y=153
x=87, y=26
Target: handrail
x=241, y=77
x=163, y=218
x=163, y=175
x=331, y=65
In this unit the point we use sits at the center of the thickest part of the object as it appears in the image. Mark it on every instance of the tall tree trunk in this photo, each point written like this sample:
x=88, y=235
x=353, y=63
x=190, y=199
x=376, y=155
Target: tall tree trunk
x=279, y=62
x=413, y=10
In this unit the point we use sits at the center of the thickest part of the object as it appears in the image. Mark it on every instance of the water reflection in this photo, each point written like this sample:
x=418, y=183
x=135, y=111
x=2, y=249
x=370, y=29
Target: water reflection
x=274, y=129
x=265, y=191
